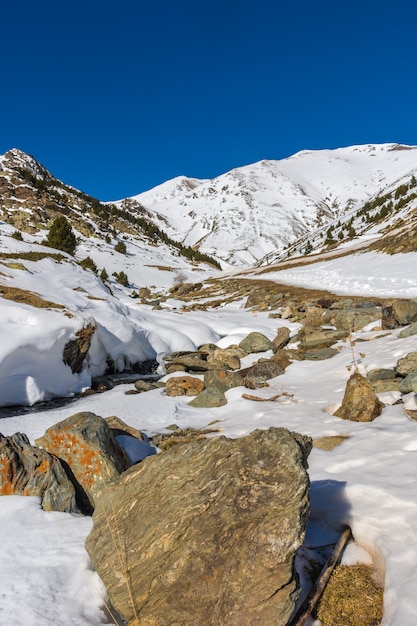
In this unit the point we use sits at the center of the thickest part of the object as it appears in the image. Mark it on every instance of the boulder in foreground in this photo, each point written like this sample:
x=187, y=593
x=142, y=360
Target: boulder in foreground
x=206, y=533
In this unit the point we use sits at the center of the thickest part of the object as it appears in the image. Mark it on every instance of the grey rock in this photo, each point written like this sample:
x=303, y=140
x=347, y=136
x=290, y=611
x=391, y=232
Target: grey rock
x=209, y=398
x=206, y=532
x=409, y=383
x=258, y=374
x=320, y=354
x=256, y=342
x=380, y=374
x=407, y=364
x=408, y=332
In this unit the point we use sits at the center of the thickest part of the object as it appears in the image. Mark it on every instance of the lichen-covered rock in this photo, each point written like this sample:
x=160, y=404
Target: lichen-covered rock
x=256, y=342
x=360, y=402
x=87, y=445
x=206, y=533
x=184, y=386
x=29, y=471
x=222, y=379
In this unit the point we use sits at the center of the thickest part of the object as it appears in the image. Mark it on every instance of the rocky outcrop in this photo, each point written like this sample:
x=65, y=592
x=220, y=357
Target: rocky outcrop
x=206, y=533
x=29, y=471
x=76, y=350
x=360, y=402
x=89, y=449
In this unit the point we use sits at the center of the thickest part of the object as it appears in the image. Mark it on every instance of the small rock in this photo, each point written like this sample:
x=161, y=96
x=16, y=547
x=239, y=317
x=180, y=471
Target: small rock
x=321, y=354
x=144, y=385
x=408, y=332
x=407, y=364
x=360, y=402
x=409, y=383
x=256, y=376
x=380, y=374
x=209, y=398
x=256, y=342
x=281, y=339
x=183, y=386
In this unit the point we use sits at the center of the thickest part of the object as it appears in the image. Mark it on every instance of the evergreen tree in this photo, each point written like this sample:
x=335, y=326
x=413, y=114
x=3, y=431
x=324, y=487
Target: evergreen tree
x=88, y=264
x=61, y=236
x=120, y=247
x=104, y=275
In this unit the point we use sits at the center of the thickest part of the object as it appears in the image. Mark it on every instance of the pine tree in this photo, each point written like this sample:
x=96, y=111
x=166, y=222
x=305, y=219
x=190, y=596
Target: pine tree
x=61, y=236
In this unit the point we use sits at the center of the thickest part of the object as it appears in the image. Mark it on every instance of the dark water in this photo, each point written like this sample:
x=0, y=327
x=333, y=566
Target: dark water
x=101, y=384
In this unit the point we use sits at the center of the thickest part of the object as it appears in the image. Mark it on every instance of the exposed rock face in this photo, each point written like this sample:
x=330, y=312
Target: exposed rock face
x=409, y=383
x=76, y=350
x=184, y=386
x=360, y=403
x=87, y=445
x=206, y=532
x=222, y=380
x=29, y=471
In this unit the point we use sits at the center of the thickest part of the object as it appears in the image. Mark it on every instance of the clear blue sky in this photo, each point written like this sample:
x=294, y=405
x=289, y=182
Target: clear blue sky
x=116, y=97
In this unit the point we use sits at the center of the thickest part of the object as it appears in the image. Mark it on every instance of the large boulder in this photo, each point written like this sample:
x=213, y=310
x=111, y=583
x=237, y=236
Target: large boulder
x=206, y=532
x=360, y=402
x=29, y=471
x=86, y=444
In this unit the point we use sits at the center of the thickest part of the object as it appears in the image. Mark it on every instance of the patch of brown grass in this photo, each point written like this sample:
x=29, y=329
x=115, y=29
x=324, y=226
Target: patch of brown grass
x=27, y=297
x=329, y=443
x=32, y=256
x=351, y=598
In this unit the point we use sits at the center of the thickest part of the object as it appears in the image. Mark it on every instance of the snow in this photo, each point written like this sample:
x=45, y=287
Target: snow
x=254, y=210
x=368, y=481
x=372, y=273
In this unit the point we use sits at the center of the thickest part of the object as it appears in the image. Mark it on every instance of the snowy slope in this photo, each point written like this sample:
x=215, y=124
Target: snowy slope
x=253, y=210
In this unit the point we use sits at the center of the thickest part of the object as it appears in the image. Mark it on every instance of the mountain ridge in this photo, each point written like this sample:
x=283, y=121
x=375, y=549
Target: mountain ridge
x=251, y=215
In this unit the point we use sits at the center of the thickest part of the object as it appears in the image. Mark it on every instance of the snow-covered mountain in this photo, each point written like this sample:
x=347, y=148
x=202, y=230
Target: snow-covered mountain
x=251, y=211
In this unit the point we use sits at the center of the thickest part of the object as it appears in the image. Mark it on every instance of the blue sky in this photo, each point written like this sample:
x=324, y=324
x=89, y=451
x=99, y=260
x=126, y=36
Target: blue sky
x=115, y=98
